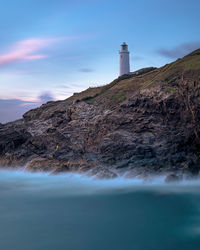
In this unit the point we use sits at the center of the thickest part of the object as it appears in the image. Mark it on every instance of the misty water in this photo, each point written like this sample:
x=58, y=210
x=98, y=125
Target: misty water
x=75, y=212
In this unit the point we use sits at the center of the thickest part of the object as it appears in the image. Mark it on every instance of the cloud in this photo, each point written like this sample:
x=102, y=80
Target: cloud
x=13, y=109
x=46, y=97
x=179, y=51
x=86, y=70
x=24, y=50
x=29, y=49
x=69, y=86
x=137, y=58
x=63, y=86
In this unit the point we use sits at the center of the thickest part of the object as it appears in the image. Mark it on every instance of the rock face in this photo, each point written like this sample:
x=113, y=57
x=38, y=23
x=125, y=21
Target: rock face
x=146, y=124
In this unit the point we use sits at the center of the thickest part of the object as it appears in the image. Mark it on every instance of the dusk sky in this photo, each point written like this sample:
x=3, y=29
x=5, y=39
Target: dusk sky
x=51, y=49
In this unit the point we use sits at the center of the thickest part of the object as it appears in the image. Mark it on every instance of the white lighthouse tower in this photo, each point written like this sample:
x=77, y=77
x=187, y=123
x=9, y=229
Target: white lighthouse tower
x=124, y=65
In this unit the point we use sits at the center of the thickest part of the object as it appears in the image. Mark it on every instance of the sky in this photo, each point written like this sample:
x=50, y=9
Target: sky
x=51, y=49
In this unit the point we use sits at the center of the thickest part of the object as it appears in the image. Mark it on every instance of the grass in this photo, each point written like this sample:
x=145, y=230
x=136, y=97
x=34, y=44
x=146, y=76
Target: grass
x=111, y=95
x=121, y=97
x=170, y=89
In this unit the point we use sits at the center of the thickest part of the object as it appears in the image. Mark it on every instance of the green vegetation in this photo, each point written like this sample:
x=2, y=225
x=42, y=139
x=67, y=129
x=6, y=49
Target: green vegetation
x=88, y=98
x=170, y=89
x=118, y=96
x=111, y=95
x=147, y=85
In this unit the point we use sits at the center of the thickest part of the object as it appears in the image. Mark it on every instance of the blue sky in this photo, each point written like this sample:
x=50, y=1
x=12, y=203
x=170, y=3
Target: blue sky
x=58, y=47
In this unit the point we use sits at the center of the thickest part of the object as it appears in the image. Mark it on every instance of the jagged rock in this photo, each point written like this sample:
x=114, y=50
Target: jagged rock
x=141, y=125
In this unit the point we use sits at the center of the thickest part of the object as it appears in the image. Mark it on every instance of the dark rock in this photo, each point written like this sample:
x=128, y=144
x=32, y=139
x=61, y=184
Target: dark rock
x=141, y=124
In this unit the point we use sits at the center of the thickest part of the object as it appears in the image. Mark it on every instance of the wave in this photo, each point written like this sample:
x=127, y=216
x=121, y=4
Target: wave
x=80, y=184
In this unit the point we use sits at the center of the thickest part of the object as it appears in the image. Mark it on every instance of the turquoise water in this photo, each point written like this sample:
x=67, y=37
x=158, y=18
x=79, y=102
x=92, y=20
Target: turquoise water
x=73, y=212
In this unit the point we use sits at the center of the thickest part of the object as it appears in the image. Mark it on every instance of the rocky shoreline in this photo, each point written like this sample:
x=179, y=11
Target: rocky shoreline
x=138, y=125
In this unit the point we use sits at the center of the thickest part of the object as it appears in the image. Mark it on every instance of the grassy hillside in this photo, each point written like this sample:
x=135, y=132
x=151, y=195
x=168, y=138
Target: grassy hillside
x=118, y=91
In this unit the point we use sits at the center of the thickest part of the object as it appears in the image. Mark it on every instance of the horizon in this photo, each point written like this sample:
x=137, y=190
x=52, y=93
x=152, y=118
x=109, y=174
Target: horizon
x=52, y=49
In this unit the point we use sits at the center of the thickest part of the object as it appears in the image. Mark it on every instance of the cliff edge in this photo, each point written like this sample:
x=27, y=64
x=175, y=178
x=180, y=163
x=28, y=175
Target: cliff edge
x=143, y=123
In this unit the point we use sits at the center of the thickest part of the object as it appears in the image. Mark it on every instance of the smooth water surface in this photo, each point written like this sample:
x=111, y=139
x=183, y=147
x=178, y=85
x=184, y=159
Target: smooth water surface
x=74, y=212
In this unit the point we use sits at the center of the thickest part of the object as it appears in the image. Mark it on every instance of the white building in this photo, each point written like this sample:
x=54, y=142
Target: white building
x=124, y=65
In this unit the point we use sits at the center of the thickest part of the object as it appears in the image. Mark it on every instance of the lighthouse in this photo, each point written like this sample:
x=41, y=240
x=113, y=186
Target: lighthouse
x=124, y=65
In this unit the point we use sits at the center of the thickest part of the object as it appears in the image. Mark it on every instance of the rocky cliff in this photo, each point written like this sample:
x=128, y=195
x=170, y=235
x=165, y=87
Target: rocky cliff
x=140, y=124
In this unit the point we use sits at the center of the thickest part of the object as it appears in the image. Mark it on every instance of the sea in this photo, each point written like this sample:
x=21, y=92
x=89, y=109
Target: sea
x=40, y=211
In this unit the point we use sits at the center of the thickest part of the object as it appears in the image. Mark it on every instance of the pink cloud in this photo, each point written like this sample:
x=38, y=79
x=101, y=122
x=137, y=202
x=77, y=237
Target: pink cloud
x=27, y=50
x=34, y=57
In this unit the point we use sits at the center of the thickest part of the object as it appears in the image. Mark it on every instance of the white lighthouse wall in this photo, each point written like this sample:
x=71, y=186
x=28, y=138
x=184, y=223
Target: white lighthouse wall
x=124, y=63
